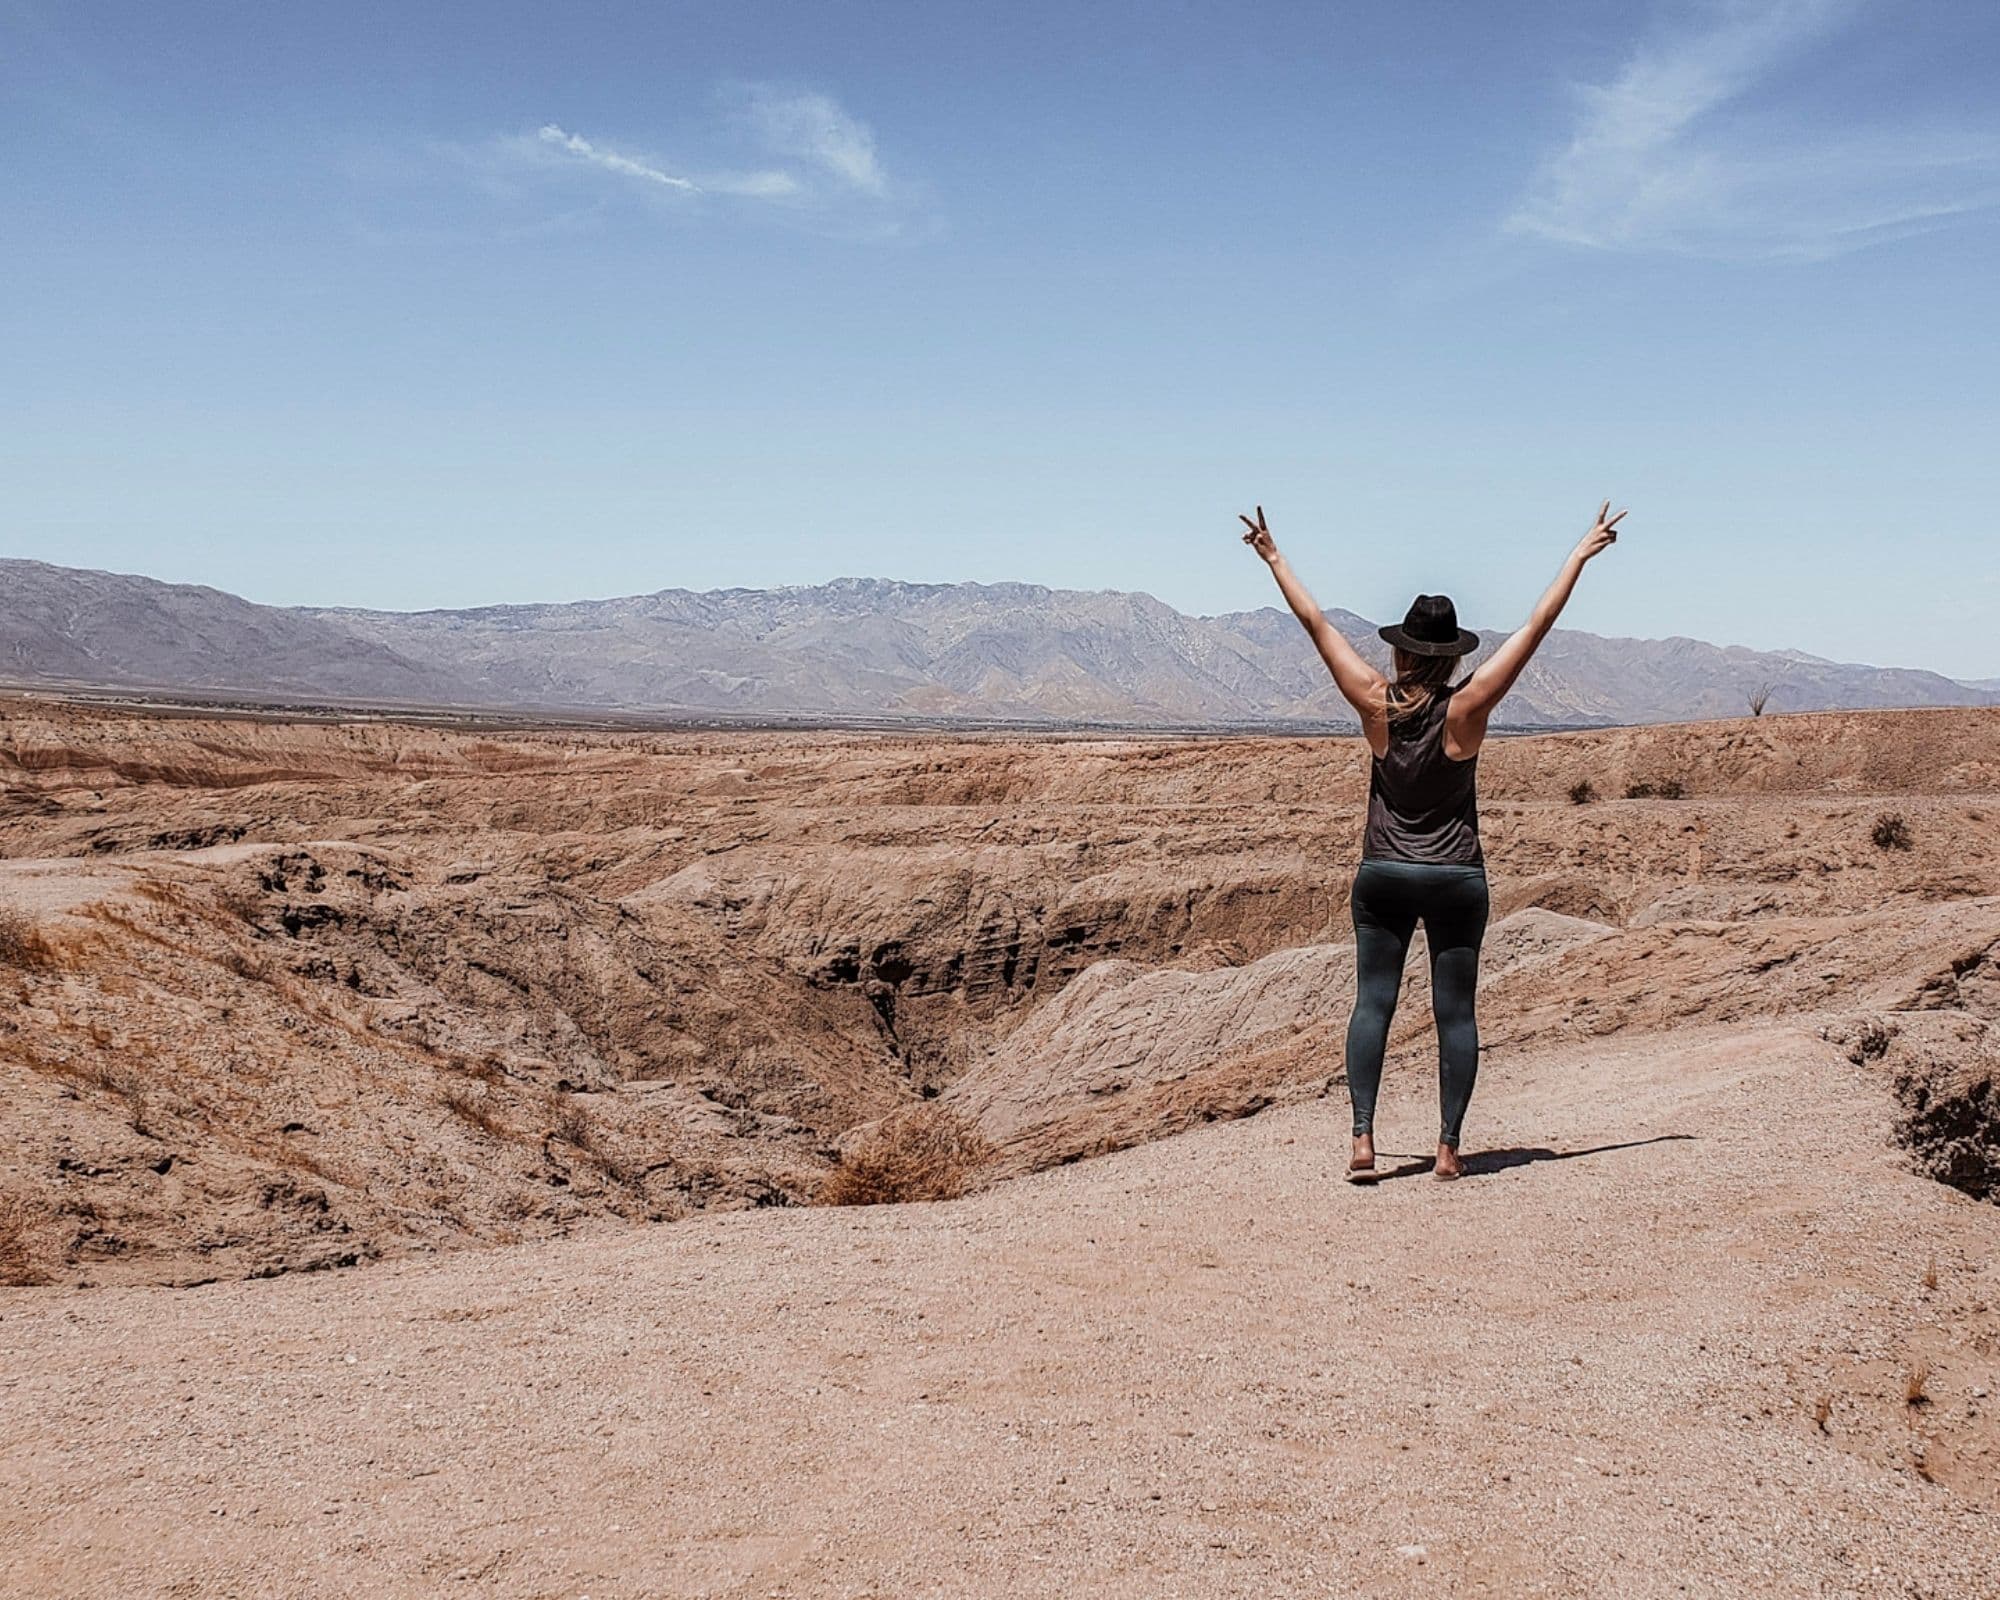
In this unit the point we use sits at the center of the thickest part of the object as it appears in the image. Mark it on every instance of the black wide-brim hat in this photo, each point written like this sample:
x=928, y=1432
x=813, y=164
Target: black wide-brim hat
x=1430, y=628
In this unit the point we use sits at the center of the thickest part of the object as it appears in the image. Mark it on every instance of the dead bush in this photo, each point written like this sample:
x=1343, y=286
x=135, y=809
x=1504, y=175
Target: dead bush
x=1582, y=792
x=24, y=946
x=478, y=1110
x=250, y=968
x=571, y=1124
x=242, y=902
x=20, y=1261
x=1891, y=832
x=925, y=1153
x=489, y=1070
x=288, y=1154
x=517, y=1205
x=119, y=1082
x=1656, y=789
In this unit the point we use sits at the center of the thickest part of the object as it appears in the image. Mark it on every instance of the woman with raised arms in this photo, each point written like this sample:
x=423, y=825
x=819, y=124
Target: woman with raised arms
x=1420, y=854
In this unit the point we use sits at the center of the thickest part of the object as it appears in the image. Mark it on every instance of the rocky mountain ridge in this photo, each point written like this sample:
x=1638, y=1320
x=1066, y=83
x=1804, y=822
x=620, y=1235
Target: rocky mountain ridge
x=855, y=647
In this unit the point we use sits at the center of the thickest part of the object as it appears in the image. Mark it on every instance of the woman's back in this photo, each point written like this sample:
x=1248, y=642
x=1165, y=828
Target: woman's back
x=1422, y=805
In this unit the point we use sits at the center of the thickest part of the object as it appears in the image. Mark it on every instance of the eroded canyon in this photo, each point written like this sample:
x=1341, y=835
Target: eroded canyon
x=286, y=995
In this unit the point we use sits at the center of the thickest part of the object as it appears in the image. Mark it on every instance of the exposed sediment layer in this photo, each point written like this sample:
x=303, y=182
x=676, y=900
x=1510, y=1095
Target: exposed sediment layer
x=291, y=995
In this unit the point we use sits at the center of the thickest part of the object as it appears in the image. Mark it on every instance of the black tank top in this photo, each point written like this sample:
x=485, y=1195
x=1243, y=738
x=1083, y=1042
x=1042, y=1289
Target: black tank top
x=1421, y=803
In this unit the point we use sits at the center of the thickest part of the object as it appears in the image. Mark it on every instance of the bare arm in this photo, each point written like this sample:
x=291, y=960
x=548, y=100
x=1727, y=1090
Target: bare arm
x=1487, y=687
x=1359, y=683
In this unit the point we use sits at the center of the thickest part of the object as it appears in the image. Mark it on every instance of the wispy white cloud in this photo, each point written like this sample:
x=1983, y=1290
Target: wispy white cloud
x=826, y=165
x=1670, y=155
x=610, y=160
x=813, y=127
x=769, y=185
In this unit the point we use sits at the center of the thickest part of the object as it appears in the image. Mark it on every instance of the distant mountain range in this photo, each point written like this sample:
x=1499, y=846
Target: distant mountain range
x=854, y=648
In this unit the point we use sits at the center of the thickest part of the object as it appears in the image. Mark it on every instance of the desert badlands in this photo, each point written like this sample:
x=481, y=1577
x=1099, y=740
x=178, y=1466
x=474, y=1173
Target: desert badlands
x=420, y=1149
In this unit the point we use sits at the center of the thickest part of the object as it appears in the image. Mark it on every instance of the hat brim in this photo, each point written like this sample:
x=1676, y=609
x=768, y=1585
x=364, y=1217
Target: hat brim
x=1466, y=642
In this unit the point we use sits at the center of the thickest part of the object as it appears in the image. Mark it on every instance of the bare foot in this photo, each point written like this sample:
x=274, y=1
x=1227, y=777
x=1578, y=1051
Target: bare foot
x=1361, y=1165
x=1447, y=1164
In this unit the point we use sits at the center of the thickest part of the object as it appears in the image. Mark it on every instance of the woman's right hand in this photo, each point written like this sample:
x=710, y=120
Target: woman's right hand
x=1602, y=536
x=1259, y=537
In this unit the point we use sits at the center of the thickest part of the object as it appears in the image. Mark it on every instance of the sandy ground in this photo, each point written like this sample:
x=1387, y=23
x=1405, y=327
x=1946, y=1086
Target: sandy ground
x=1203, y=1367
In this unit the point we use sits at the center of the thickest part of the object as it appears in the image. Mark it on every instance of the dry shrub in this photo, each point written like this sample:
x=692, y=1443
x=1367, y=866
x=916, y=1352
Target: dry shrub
x=517, y=1205
x=925, y=1153
x=241, y=903
x=1915, y=1384
x=250, y=968
x=1891, y=832
x=20, y=1261
x=1582, y=792
x=287, y=1154
x=571, y=1124
x=1823, y=1413
x=478, y=1110
x=119, y=1082
x=1656, y=789
x=24, y=946
x=489, y=1069
x=111, y=916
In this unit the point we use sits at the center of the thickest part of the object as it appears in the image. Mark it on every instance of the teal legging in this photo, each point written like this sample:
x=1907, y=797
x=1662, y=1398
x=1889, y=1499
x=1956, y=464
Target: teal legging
x=1390, y=897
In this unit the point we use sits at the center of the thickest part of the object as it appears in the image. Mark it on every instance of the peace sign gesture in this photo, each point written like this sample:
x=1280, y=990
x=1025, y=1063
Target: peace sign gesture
x=1603, y=535
x=1259, y=537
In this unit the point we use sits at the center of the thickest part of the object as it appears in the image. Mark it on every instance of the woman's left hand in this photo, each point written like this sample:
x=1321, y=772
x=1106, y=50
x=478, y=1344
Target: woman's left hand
x=1259, y=537
x=1603, y=534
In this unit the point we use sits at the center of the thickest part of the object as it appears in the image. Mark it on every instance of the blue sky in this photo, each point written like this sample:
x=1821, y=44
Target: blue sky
x=444, y=305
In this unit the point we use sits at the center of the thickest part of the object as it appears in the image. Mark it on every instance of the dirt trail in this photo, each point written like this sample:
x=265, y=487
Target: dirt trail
x=1202, y=1367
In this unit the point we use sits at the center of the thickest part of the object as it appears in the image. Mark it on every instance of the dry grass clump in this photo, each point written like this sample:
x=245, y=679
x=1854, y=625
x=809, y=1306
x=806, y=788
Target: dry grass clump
x=517, y=1205
x=926, y=1153
x=119, y=1082
x=23, y=946
x=1822, y=1413
x=1891, y=832
x=478, y=1110
x=20, y=1261
x=1582, y=792
x=1915, y=1384
x=1656, y=789
x=571, y=1124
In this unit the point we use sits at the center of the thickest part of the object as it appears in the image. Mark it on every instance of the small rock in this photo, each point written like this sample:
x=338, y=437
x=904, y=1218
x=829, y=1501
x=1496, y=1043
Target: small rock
x=1413, y=1552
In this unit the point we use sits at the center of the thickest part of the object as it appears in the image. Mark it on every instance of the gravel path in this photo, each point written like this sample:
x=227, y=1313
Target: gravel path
x=1199, y=1368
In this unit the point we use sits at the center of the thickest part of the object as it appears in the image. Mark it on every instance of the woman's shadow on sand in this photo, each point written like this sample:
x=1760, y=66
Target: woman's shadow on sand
x=1484, y=1163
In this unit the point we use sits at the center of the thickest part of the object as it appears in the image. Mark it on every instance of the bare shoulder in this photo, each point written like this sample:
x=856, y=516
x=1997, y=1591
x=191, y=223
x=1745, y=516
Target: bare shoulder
x=1374, y=714
x=1464, y=728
